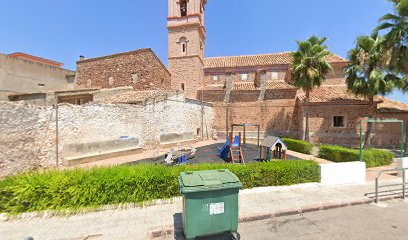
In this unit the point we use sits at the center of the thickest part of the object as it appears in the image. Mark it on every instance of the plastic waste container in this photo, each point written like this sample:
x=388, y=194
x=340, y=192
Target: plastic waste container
x=210, y=203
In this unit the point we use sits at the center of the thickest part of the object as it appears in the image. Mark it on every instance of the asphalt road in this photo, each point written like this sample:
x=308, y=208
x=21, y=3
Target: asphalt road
x=367, y=222
x=386, y=221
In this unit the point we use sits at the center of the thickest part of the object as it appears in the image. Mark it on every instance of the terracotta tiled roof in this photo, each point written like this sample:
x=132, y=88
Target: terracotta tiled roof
x=134, y=97
x=32, y=58
x=340, y=95
x=279, y=85
x=282, y=58
x=242, y=86
x=333, y=94
x=388, y=105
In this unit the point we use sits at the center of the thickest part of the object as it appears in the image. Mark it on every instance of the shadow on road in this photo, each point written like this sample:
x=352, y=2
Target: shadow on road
x=179, y=235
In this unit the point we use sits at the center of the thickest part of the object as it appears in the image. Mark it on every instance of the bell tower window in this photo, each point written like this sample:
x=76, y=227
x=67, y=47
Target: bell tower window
x=183, y=8
x=183, y=44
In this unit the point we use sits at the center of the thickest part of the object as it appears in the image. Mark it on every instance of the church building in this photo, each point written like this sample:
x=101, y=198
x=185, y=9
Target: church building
x=258, y=89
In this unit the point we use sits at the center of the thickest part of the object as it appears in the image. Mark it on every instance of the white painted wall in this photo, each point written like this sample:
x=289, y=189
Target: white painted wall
x=402, y=163
x=343, y=173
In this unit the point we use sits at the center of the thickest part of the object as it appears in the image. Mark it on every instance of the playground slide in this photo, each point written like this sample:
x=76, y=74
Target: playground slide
x=224, y=151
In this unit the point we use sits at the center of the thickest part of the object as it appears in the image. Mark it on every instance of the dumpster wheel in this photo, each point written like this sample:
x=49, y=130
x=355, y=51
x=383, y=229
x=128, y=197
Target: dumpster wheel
x=235, y=236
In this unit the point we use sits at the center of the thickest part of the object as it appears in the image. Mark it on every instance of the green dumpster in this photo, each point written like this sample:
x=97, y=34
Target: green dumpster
x=210, y=202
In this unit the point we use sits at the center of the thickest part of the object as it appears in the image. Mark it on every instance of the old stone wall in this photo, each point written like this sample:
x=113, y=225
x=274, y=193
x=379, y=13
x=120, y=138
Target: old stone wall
x=187, y=74
x=140, y=69
x=28, y=132
x=27, y=137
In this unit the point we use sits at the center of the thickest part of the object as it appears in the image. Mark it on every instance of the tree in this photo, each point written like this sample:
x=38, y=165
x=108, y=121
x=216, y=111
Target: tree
x=396, y=36
x=365, y=73
x=309, y=69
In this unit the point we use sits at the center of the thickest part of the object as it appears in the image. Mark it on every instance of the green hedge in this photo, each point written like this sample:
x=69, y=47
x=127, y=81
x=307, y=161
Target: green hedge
x=80, y=188
x=298, y=145
x=372, y=157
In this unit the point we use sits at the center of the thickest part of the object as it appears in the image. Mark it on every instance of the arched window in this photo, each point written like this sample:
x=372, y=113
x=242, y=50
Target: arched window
x=183, y=45
x=183, y=8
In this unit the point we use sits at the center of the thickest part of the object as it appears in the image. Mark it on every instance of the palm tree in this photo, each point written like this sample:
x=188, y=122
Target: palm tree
x=309, y=69
x=396, y=36
x=365, y=74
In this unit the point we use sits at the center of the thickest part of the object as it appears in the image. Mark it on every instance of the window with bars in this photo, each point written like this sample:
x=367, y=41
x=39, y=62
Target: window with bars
x=338, y=121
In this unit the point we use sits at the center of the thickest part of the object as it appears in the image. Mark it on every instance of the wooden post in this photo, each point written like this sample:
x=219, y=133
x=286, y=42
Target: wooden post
x=258, y=135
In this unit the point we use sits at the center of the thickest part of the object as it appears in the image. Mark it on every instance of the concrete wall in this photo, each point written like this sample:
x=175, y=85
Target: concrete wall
x=403, y=163
x=343, y=173
x=27, y=132
x=23, y=76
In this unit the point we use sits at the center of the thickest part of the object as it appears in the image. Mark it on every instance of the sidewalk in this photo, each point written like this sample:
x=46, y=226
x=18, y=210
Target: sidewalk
x=137, y=223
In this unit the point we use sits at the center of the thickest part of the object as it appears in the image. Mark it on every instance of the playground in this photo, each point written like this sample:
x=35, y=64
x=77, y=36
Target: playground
x=210, y=154
x=235, y=150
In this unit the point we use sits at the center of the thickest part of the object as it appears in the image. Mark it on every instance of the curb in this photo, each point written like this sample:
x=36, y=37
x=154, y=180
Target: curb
x=171, y=229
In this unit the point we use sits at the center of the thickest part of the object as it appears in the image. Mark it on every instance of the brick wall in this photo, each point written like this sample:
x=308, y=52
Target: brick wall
x=140, y=69
x=387, y=134
x=275, y=117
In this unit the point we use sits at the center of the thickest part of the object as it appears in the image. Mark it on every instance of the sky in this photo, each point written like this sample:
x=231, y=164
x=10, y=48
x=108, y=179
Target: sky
x=62, y=30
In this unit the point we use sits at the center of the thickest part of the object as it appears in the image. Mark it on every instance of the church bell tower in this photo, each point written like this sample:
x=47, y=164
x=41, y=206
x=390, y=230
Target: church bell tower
x=186, y=41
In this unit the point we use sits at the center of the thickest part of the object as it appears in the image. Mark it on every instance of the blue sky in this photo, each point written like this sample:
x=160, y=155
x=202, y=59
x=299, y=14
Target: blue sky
x=62, y=30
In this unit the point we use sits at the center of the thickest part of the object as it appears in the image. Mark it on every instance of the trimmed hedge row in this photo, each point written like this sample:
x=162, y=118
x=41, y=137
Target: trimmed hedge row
x=372, y=157
x=298, y=145
x=80, y=188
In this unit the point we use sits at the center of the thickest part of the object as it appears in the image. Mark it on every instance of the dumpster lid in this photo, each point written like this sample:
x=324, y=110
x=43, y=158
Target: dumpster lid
x=208, y=178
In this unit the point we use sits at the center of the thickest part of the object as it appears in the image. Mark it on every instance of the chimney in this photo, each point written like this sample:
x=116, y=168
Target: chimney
x=259, y=77
x=81, y=58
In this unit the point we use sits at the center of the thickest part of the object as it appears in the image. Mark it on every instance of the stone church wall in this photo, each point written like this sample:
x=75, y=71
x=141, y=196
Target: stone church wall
x=275, y=117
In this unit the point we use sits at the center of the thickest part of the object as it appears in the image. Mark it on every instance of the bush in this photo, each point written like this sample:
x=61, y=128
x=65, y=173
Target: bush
x=298, y=145
x=80, y=188
x=372, y=157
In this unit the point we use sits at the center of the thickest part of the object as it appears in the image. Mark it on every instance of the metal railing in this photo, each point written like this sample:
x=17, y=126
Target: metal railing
x=403, y=184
